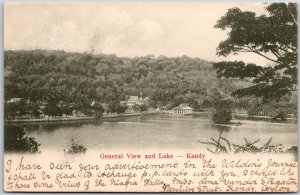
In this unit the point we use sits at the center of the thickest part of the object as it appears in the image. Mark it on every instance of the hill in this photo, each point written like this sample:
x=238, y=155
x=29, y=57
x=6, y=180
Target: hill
x=80, y=78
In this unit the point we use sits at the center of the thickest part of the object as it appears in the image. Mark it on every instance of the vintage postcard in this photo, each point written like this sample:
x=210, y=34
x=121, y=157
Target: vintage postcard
x=150, y=97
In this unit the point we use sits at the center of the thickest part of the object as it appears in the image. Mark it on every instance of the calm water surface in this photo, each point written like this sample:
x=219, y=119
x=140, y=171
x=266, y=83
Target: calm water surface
x=156, y=132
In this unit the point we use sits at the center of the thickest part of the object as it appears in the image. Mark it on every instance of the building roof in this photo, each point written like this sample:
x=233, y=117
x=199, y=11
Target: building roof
x=15, y=99
x=182, y=107
x=133, y=98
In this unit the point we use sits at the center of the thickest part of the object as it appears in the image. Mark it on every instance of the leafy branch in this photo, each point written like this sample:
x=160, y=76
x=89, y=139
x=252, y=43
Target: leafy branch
x=223, y=145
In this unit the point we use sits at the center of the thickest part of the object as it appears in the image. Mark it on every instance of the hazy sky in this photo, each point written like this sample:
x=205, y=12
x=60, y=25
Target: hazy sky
x=126, y=29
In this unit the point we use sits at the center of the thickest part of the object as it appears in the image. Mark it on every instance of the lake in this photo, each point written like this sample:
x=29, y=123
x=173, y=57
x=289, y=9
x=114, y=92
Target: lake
x=155, y=132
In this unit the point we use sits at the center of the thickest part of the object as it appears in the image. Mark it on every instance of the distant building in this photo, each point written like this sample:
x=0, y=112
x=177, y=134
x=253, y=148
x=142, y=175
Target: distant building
x=291, y=116
x=183, y=109
x=133, y=100
x=136, y=100
x=14, y=100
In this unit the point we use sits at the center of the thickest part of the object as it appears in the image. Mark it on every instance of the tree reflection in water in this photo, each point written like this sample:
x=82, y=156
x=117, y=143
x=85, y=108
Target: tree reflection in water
x=15, y=140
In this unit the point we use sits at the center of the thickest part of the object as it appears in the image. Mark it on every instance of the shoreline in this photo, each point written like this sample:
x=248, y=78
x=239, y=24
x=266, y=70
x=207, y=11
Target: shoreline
x=82, y=118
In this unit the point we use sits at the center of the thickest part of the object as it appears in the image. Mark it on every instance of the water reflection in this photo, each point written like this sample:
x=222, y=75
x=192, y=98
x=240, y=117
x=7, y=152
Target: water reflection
x=223, y=128
x=151, y=132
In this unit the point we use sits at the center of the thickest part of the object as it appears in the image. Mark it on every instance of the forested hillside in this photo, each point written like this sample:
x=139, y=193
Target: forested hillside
x=58, y=76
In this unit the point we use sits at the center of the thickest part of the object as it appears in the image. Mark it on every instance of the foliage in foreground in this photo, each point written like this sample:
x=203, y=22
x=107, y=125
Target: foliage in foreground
x=223, y=145
x=76, y=148
x=16, y=141
x=272, y=36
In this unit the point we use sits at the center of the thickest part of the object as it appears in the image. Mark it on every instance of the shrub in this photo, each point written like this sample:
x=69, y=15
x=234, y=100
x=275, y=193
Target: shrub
x=221, y=117
x=223, y=145
x=76, y=148
x=16, y=141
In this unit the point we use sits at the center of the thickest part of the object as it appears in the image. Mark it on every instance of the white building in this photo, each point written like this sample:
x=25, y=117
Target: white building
x=183, y=109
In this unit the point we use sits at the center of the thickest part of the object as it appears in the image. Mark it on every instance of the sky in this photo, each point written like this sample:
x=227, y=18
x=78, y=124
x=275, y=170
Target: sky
x=125, y=29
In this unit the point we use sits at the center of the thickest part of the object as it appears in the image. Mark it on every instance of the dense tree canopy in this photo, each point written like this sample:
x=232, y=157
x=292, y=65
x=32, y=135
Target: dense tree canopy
x=57, y=83
x=272, y=36
x=83, y=82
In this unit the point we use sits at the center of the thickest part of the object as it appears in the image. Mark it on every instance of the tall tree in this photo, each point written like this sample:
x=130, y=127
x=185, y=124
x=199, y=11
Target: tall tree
x=272, y=36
